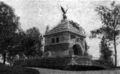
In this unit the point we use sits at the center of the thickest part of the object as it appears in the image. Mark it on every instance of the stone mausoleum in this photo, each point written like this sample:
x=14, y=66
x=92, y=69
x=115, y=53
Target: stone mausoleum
x=65, y=40
x=66, y=48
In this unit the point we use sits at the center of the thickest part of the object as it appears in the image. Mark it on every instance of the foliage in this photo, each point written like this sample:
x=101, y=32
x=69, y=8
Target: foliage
x=27, y=44
x=9, y=25
x=61, y=63
x=111, y=25
x=105, y=51
x=13, y=40
x=32, y=42
x=17, y=47
x=17, y=70
x=44, y=62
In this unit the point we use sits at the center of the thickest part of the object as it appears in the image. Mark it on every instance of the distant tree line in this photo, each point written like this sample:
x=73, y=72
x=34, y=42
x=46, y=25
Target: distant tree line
x=13, y=40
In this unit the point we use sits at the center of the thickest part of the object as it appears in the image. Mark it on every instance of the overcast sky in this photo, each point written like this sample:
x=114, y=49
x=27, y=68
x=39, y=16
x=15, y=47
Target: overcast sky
x=40, y=13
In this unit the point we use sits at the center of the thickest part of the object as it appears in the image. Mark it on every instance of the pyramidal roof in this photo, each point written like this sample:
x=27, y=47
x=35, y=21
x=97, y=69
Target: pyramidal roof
x=69, y=26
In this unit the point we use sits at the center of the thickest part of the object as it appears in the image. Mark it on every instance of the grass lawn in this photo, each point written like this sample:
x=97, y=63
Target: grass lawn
x=17, y=70
x=53, y=71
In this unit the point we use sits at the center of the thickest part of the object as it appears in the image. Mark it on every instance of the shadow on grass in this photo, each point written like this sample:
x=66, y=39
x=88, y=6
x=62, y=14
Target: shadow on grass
x=17, y=70
x=72, y=68
x=84, y=68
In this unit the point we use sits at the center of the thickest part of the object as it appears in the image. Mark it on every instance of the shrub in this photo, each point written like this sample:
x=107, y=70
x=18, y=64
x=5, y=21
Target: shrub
x=17, y=70
x=43, y=62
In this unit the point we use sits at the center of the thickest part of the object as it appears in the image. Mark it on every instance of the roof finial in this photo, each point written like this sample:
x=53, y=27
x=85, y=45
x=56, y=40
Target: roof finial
x=47, y=29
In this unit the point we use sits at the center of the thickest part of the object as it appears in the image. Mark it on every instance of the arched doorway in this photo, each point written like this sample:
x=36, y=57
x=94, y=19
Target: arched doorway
x=77, y=49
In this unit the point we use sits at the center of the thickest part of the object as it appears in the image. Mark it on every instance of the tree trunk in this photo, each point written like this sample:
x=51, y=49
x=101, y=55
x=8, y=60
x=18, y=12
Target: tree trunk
x=4, y=58
x=115, y=52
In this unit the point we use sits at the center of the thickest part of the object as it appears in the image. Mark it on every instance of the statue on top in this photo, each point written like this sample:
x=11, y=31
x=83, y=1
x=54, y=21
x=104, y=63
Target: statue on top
x=64, y=12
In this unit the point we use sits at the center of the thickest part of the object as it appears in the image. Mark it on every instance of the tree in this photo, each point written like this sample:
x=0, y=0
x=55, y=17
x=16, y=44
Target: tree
x=9, y=25
x=105, y=51
x=16, y=48
x=32, y=43
x=110, y=17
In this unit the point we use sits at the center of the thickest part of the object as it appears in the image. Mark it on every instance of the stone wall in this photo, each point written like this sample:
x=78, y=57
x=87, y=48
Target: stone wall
x=77, y=40
x=63, y=38
x=58, y=50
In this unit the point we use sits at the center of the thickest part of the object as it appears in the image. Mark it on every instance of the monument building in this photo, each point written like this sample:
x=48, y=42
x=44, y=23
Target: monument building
x=66, y=39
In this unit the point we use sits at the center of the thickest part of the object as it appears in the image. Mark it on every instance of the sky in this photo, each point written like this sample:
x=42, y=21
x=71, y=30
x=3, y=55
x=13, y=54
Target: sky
x=41, y=13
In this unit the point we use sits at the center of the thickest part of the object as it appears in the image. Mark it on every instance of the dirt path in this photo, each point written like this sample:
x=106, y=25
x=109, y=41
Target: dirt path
x=50, y=71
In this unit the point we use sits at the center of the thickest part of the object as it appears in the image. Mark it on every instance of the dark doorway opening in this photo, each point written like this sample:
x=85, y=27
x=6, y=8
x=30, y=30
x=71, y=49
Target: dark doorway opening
x=77, y=49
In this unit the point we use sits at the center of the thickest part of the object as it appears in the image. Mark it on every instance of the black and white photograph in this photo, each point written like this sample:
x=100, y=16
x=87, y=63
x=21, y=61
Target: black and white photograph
x=59, y=36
